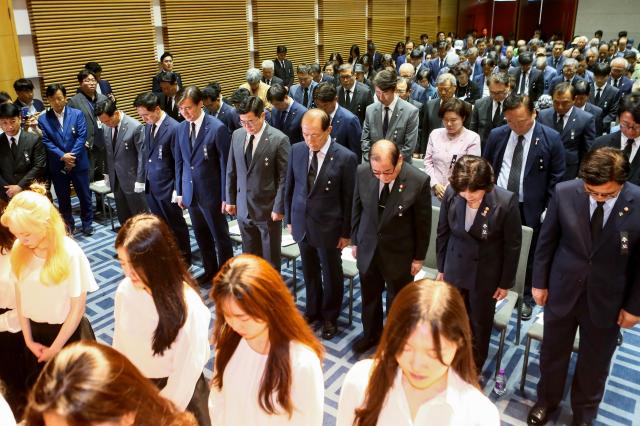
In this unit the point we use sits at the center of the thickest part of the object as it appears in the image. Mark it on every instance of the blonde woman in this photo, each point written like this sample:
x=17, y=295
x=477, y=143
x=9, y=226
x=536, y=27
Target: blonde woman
x=52, y=277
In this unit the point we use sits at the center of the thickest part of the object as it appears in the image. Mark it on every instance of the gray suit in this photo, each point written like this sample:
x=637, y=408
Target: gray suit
x=402, y=130
x=125, y=166
x=258, y=190
x=95, y=141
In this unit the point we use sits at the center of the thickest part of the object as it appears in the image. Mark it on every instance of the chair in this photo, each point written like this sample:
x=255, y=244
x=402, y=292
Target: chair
x=535, y=332
x=418, y=163
x=100, y=187
x=514, y=298
x=350, y=271
x=291, y=253
x=235, y=238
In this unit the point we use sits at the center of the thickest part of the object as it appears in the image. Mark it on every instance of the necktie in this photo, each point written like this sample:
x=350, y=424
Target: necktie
x=523, y=79
x=560, y=123
x=597, y=220
x=513, y=184
x=441, y=64
x=14, y=148
x=382, y=201
x=248, y=153
x=192, y=136
x=305, y=98
x=626, y=150
x=153, y=133
x=496, y=116
x=615, y=83
x=114, y=137
x=167, y=104
x=283, y=119
x=347, y=97
x=385, y=122
x=268, y=82
x=313, y=171
x=598, y=93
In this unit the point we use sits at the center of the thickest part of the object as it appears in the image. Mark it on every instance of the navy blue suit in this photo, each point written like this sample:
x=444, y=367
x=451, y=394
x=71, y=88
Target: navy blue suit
x=201, y=182
x=228, y=115
x=297, y=93
x=479, y=81
x=160, y=179
x=319, y=218
x=37, y=104
x=105, y=87
x=596, y=111
x=624, y=85
x=346, y=130
x=588, y=283
x=58, y=141
x=434, y=66
x=292, y=122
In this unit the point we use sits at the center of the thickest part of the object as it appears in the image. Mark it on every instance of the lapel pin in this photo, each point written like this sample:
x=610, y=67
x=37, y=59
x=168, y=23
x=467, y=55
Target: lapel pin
x=400, y=207
x=328, y=182
x=536, y=142
x=485, y=212
x=400, y=188
x=330, y=158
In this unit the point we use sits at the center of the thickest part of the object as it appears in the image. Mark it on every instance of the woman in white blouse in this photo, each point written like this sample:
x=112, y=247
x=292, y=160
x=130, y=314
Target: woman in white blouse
x=449, y=143
x=267, y=363
x=52, y=277
x=423, y=371
x=161, y=323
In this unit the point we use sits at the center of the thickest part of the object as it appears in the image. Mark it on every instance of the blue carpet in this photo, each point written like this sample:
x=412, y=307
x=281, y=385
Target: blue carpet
x=621, y=404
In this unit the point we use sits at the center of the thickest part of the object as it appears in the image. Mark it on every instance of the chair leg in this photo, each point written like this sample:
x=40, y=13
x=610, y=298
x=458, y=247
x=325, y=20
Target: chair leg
x=503, y=334
x=525, y=364
x=295, y=282
x=350, y=301
x=108, y=206
x=518, y=322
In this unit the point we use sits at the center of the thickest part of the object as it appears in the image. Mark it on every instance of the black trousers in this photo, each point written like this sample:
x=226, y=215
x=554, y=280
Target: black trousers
x=527, y=295
x=373, y=284
x=172, y=215
x=262, y=239
x=323, y=280
x=597, y=346
x=13, y=370
x=480, y=308
x=128, y=205
x=198, y=405
x=212, y=234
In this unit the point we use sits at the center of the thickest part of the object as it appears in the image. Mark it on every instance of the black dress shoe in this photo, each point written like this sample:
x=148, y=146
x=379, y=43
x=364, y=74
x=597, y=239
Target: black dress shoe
x=539, y=415
x=312, y=321
x=525, y=314
x=329, y=329
x=580, y=423
x=363, y=344
x=204, y=280
x=87, y=230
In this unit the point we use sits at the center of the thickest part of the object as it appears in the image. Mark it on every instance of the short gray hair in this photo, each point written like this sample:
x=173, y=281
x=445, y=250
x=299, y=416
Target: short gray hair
x=500, y=78
x=570, y=62
x=407, y=66
x=267, y=64
x=621, y=61
x=446, y=77
x=253, y=75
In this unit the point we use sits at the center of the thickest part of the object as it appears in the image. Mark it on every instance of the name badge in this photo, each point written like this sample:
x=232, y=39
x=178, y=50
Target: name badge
x=206, y=153
x=126, y=145
x=485, y=231
x=26, y=156
x=160, y=152
x=624, y=243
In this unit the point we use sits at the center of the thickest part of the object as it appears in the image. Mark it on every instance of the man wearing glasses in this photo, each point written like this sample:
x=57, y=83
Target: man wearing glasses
x=488, y=112
x=586, y=276
x=628, y=137
x=390, y=227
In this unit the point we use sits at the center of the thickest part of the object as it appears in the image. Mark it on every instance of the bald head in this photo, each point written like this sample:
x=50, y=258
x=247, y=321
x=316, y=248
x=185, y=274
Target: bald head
x=316, y=129
x=386, y=161
x=316, y=114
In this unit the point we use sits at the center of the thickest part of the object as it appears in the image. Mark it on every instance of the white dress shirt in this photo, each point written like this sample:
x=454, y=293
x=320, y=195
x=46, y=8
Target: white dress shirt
x=503, y=178
x=381, y=186
x=198, y=122
x=461, y=404
x=321, y=154
x=16, y=139
x=136, y=319
x=392, y=106
x=159, y=122
x=238, y=401
x=256, y=139
x=9, y=321
x=60, y=118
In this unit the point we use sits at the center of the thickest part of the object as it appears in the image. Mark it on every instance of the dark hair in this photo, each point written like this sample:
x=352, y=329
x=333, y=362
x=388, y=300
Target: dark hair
x=325, y=120
x=9, y=110
x=4, y=97
x=6, y=237
x=84, y=73
x=314, y=68
x=354, y=49
x=460, y=107
x=440, y=306
x=382, y=149
x=471, y=173
x=598, y=33
x=154, y=255
x=423, y=74
x=105, y=107
x=325, y=92
x=164, y=55
x=189, y=92
x=53, y=88
x=211, y=92
x=251, y=104
x=513, y=101
x=239, y=95
x=564, y=87
x=601, y=69
x=525, y=58
x=94, y=67
x=416, y=53
x=581, y=87
x=631, y=104
x=168, y=77
x=277, y=93
x=22, y=85
x=441, y=45
x=88, y=383
x=490, y=61
x=148, y=100
x=580, y=58
x=257, y=288
x=603, y=165
x=622, y=33
x=385, y=80
x=281, y=49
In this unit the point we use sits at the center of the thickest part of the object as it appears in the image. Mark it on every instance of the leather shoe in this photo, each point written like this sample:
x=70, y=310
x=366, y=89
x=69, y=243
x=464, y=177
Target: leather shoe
x=329, y=329
x=539, y=415
x=204, y=279
x=363, y=344
x=312, y=321
x=525, y=314
x=87, y=231
x=580, y=423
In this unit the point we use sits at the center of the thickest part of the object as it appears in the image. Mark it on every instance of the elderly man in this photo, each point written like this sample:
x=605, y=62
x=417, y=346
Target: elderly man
x=569, y=74
x=267, y=73
x=303, y=91
x=256, y=87
x=548, y=73
x=353, y=95
x=617, y=78
x=417, y=91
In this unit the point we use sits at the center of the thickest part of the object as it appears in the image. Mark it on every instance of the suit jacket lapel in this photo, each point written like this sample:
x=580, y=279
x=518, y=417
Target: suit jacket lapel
x=583, y=220
x=394, y=201
x=204, y=129
x=485, y=210
x=617, y=216
x=121, y=131
x=533, y=149
x=394, y=117
x=260, y=149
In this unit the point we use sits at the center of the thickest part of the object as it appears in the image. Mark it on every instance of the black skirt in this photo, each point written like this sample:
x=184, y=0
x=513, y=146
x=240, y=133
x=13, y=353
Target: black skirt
x=13, y=370
x=199, y=404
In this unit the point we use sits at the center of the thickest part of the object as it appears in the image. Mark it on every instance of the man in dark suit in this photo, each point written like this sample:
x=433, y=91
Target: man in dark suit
x=488, y=112
x=390, y=227
x=569, y=74
x=103, y=87
x=617, y=78
x=267, y=73
x=586, y=276
x=628, y=137
x=604, y=95
x=283, y=67
x=214, y=105
x=287, y=114
x=528, y=160
x=24, y=90
x=345, y=127
x=404, y=92
x=581, y=101
x=124, y=142
x=374, y=56
x=528, y=79
x=481, y=79
x=302, y=92
x=160, y=168
x=166, y=65
x=202, y=149
x=22, y=155
x=391, y=118
x=352, y=94
x=64, y=133
x=256, y=170
x=557, y=58
x=577, y=128
x=85, y=100
x=318, y=202
x=318, y=76
x=416, y=91
x=169, y=87
x=439, y=62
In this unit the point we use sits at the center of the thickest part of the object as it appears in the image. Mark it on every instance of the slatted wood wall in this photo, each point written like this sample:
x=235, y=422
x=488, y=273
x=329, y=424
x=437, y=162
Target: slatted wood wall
x=118, y=34
x=448, y=16
x=423, y=18
x=209, y=39
x=387, y=24
x=342, y=24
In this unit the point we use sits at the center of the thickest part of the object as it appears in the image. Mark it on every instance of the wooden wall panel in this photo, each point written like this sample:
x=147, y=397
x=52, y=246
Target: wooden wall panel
x=387, y=24
x=423, y=18
x=448, y=16
x=10, y=62
x=342, y=24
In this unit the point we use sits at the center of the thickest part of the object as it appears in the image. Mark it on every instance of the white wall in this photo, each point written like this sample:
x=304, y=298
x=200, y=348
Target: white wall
x=610, y=16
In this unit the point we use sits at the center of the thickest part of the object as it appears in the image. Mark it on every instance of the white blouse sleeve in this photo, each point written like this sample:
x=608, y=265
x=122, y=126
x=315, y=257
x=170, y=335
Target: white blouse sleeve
x=474, y=145
x=429, y=167
x=6, y=416
x=216, y=406
x=191, y=352
x=308, y=388
x=81, y=277
x=10, y=322
x=117, y=306
x=352, y=392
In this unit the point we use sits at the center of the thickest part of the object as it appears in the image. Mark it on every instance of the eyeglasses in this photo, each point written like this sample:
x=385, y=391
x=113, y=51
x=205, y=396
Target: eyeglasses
x=630, y=126
x=385, y=173
x=605, y=195
x=249, y=122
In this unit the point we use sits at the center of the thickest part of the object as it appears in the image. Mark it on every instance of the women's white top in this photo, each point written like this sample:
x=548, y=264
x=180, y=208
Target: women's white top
x=136, y=319
x=460, y=404
x=442, y=153
x=6, y=416
x=469, y=217
x=9, y=321
x=237, y=402
x=51, y=303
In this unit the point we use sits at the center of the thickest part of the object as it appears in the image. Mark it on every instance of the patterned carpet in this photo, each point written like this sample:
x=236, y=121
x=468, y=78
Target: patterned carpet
x=621, y=405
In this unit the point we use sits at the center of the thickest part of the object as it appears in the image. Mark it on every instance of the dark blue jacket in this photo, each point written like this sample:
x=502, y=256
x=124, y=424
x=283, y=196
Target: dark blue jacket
x=292, y=123
x=346, y=130
x=59, y=141
x=160, y=174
